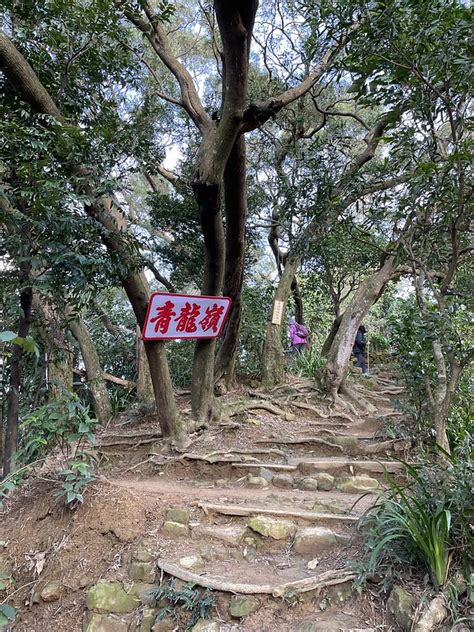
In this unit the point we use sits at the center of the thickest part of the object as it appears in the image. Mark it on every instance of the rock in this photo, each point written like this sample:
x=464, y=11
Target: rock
x=232, y=536
x=265, y=473
x=250, y=553
x=178, y=514
x=284, y=481
x=165, y=625
x=206, y=626
x=174, y=529
x=325, y=481
x=401, y=605
x=145, y=552
x=142, y=572
x=345, y=442
x=434, y=614
x=108, y=597
x=107, y=623
x=141, y=591
x=314, y=540
x=211, y=552
x=359, y=483
x=51, y=591
x=269, y=527
x=241, y=606
x=460, y=627
x=309, y=484
x=194, y=562
x=311, y=565
x=340, y=592
x=256, y=481
x=148, y=619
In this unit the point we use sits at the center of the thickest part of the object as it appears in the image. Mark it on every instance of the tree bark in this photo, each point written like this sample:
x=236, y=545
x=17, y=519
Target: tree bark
x=235, y=206
x=10, y=445
x=273, y=362
x=95, y=380
x=338, y=356
x=145, y=393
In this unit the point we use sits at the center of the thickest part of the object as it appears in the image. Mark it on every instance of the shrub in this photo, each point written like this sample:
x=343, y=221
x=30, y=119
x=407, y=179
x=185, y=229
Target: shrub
x=197, y=603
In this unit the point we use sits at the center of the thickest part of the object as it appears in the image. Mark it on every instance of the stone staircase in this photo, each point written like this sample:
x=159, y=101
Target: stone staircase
x=272, y=519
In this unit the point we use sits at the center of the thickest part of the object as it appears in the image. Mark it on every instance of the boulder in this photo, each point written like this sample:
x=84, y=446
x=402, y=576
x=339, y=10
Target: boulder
x=241, y=606
x=434, y=614
x=325, y=481
x=142, y=572
x=165, y=625
x=148, y=619
x=94, y=622
x=206, y=626
x=232, y=536
x=284, y=481
x=359, y=483
x=401, y=605
x=178, y=514
x=110, y=597
x=308, y=484
x=146, y=551
x=314, y=540
x=142, y=592
x=174, y=529
x=269, y=527
x=51, y=591
x=256, y=481
x=193, y=562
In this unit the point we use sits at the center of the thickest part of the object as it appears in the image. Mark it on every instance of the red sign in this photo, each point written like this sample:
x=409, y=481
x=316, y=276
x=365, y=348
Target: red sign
x=172, y=316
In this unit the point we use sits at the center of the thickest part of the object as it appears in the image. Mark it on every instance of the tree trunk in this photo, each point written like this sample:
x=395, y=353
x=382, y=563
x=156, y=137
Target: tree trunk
x=338, y=356
x=58, y=352
x=235, y=205
x=145, y=393
x=298, y=300
x=330, y=339
x=10, y=446
x=94, y=373
x=273, y=362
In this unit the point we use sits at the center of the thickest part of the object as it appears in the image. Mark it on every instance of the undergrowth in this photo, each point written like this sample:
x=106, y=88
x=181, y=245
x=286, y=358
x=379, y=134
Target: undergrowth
x=188, y=602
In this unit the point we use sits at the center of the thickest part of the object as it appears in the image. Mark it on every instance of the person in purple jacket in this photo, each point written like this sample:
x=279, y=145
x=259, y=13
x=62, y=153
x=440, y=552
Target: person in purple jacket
x=298, y=337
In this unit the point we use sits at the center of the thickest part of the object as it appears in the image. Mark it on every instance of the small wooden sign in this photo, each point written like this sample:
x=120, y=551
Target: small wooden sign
x=277, y=315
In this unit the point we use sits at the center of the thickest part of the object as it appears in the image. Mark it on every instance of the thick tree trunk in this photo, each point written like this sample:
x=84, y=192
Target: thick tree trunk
x=94, y=373
x=145, y=393
x=273, y=363
x=332, y=334
x=58, y=351
x=235, y=206
x=338, y=356
x=11, y=431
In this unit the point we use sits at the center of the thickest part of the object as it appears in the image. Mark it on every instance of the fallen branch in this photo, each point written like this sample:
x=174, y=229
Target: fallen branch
x=329, y=578
x=302, y=440
x=109, y=378
x=244, y=510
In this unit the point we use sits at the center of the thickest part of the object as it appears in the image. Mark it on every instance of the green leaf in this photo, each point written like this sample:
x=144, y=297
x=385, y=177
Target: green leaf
x=7, y=336
x=8, y=611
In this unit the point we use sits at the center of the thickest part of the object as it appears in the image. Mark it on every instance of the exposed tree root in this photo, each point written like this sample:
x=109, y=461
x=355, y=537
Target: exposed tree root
x=310, y=407
x=302, y=440
x=270, y=408
x=357, y=400
x=330, y=578
x=245, y=510
x=219, y=456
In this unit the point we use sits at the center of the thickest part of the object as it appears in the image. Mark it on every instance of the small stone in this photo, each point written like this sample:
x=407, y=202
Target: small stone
x=250, y=553
x=314, y=540
x=148, y=619
x=308, y=484
x=212, y=552
x=145, y=552
x=107, y=623
x=284, y=481
x=434, y=614
x=256, y=481
x=360, y=483
x=142, y=592
x=325, y=481
x=206, y=626
x=401, y=605
x=311, y=565
x=194, y=562
x=232, y=536
x=110, y=597
x=345, y=442
x=174, y=529
x=265, y=473
x=221, y=482
x=51, y=591
x=178, y=514
x=165, y=625
x=340, y=592
x=142, y=572
x=243, y=606
x=269, y=527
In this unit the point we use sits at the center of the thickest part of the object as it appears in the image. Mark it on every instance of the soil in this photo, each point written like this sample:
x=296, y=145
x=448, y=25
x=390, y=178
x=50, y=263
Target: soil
x=139, y=479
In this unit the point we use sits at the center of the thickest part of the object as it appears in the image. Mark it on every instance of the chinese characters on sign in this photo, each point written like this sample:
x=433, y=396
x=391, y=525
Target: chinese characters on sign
x=184, y=316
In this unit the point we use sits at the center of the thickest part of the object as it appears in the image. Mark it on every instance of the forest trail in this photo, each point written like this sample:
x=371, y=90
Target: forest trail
x=268, y=504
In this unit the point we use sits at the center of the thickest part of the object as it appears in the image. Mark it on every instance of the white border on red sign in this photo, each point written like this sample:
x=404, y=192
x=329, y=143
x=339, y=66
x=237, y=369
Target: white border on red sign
x=162, y=337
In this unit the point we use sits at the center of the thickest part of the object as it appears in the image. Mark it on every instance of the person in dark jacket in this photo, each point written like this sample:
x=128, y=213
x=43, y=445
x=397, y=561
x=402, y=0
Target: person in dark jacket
x=359, y=349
